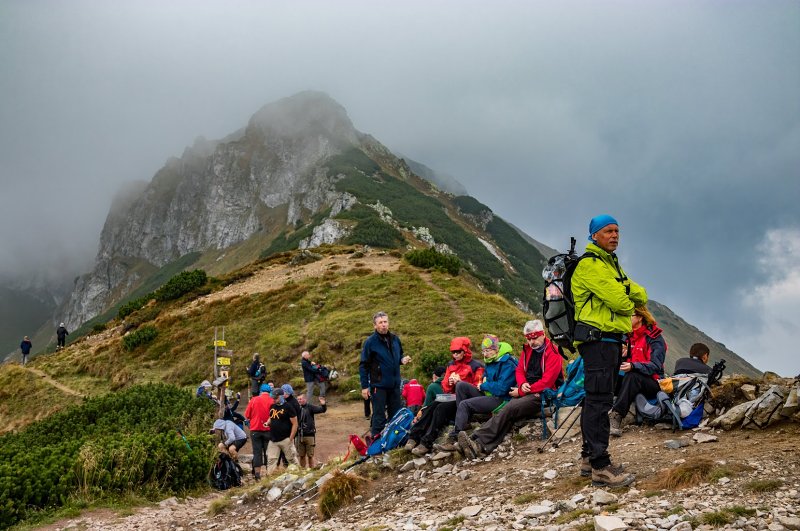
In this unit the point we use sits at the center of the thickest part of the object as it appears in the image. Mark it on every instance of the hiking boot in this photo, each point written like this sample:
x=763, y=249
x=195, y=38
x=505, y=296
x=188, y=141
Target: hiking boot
x=420, y=450
x=469, y=447
x=450, y=445
x=615, y=420
x=611, y=476
x=410, y=445
x=586, y=467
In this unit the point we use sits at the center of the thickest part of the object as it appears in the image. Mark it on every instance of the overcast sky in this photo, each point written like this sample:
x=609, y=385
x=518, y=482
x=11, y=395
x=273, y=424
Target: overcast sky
x=682, y=119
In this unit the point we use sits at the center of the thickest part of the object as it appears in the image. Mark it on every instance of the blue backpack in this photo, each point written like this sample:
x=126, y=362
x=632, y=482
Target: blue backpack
x=569, y=394
x=394, y=434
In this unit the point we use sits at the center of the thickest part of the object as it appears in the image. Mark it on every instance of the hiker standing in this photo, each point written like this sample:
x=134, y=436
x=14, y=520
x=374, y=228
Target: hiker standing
x=25, y=347
x=462, y=368
x=697, y=362
x=379, y=370
x=539, y=368
x=307, y=430
x=282, y=424
x=414, y=395
x=257, y=412
x=257, y=373
x=604, y=301
x=61, y=334
x=231, y=435
x=499, y=377
x=643, y=368
x=312, y=375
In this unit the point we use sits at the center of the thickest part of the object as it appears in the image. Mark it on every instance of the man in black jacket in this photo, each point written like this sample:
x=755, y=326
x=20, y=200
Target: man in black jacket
x=307, y=430
x=61, y=334
x=697, y=362
x=312, y=375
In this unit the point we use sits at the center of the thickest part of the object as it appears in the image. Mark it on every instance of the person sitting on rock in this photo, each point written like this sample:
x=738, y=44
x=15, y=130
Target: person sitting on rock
x=540, y=367
x=232, y=437
x=462, y=368
x=435, y=387
x=697, y=362
x=643, y=367
x=489, y=395
x=414, y=395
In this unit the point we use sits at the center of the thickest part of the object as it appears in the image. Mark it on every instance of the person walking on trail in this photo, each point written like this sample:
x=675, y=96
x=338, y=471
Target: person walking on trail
x=61, y=334
x=282, y=424
x=257, y=373
x=307, y=430
x=414, y=395
x=604, y=302
x=257, y=412
x=539, y=368
x=697, y=362
x=643, y=367
x=379, y=370
x=232, y=437
x=25, y=347
x=312, y=375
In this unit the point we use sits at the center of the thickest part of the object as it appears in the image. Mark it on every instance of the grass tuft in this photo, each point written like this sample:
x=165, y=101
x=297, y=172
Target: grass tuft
x=764, y=485
x=219, y=505
x=688, y=474
x=716, y=518
x=524, y=498
x=338, y=492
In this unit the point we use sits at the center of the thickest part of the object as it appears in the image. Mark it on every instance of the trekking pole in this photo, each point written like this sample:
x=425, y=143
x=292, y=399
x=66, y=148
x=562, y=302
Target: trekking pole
x=566, y=432
x=552, y=435
x=184, y=438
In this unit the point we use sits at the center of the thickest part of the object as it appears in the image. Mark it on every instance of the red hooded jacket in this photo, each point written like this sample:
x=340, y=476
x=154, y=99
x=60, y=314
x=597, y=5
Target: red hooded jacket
x=647, y=351
x=414, y=393
x=552, y=368
x=469, y=370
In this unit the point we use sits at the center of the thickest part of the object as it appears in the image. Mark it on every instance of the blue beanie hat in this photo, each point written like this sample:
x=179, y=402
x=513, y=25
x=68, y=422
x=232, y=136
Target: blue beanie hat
x=598, y=222
x=287, y=389
x=266, y=388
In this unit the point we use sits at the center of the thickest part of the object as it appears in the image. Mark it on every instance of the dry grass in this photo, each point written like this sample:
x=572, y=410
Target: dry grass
x=219, y=505
x=692, y=472
x=338, y=492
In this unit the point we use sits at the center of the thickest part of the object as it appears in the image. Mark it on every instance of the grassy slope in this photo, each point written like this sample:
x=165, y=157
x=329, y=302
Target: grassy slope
x=25, y=398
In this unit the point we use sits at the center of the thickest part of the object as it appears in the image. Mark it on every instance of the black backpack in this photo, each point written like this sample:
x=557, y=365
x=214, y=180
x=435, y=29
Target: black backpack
x=558, y=306
x=225, y=473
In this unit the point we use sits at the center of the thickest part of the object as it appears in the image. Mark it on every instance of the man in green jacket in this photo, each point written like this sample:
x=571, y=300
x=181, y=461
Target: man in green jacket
x=604, y=301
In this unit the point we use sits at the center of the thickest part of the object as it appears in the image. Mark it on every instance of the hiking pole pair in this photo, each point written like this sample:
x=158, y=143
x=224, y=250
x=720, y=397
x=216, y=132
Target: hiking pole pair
x=552, y=435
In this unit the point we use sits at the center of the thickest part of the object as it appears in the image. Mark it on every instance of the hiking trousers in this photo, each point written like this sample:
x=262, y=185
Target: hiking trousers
x=493, y=431
x=323, y=387
x=430, y=424
x=274, y=452
x=470, y=401
x=601, y=360
x=634, y=383
x=260, y=440
x=385, y=403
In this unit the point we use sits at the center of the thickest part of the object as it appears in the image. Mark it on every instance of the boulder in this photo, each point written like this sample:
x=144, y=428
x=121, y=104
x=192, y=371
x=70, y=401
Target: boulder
x=704, y=438
x=609, y=523
x=471, y=510
x=603, y=497
x=749, y=391
x=732, y=418
x=764, y=410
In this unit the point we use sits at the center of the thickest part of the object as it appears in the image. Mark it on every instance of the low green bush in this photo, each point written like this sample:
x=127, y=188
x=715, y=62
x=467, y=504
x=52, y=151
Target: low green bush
x=428, y=361
x=139, y=337
x=432, y=259
x=180, y=285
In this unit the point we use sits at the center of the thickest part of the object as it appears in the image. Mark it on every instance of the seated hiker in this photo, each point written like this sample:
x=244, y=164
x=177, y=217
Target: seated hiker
x=232, y=437
x=539, y=368
x=492, y=393
x=697, y=362
x=414, y=395
x=435, y=387
x=643, y=369
x=462, y=368
x=307, y=430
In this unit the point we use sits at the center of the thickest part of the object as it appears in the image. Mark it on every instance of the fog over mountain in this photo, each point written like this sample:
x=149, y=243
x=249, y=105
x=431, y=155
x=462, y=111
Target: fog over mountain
x=680, y=118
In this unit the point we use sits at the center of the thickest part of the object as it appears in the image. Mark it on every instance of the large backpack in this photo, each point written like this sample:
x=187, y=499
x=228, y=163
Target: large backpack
x=225, y=473
x=394, y=434
x=684, y=409
x=558, y=305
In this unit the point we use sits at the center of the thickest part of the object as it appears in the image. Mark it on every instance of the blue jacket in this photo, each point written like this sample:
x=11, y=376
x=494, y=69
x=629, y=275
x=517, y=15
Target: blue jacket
x=500, y=377
x=380, y=361
x=25, y=347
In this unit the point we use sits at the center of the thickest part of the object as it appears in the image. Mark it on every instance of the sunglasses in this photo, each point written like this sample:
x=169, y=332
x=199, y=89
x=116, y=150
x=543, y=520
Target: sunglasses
x=533, y=335
x=454, y=352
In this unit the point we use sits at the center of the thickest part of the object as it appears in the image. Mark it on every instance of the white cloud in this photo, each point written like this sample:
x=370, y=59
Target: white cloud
x=772, y=344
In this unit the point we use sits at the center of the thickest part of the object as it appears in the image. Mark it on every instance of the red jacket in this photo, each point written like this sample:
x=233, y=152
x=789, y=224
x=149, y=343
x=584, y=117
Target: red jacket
x=257, y=411
x=469, y=370
x=552, y=367
x=647, y=351
x=414, y=393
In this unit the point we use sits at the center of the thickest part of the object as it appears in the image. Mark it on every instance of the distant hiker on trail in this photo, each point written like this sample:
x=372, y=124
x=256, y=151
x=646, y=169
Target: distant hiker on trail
x=435, y=387
x=257, y=412
x=604, y=301
x=25, y=348
x=379, y=370
x=642, y=369
x=232, y=437
x=307, y=430
x=312, y=375
x=283, y=428
x=490, y=394
x=462, y=368
x=539, y=368
x=697, y=362
x=257, y=373
x=61, y=334
x=414, y=395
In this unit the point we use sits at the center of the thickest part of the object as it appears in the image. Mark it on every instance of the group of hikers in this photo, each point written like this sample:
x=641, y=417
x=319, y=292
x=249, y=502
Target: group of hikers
x=25, y=346
x=618, y=340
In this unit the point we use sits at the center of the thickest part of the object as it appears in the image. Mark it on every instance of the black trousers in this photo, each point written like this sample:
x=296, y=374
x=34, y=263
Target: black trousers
x=601, y=360
x=385, y=403
x=634, y=383
x=493, y=431
x=430, y=423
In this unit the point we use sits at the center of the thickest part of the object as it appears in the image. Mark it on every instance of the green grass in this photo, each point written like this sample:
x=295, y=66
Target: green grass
x=572, y=515
x=451, y=523
x=716, y=518
x=527, y=497
x=764, y=485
